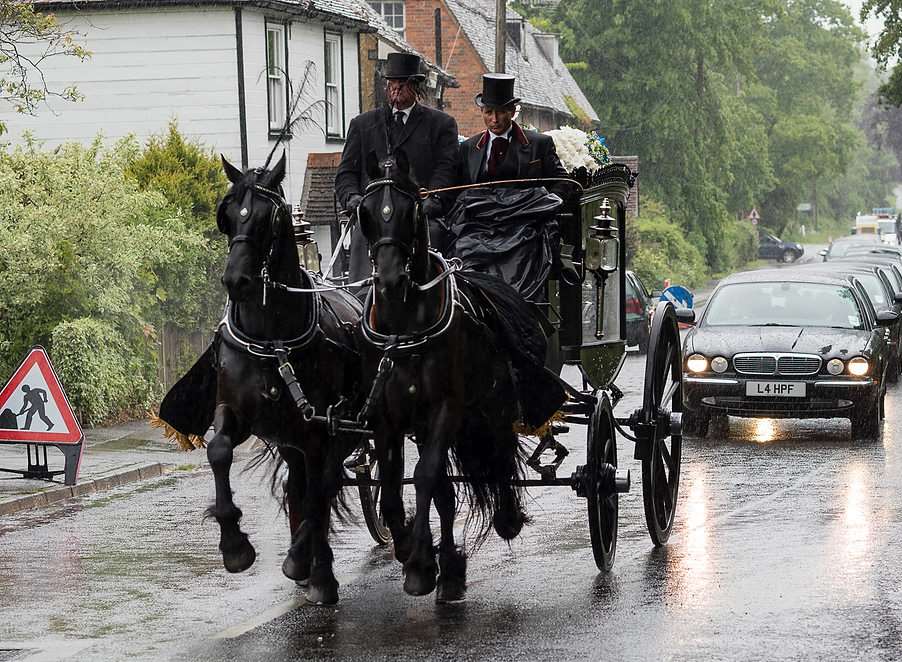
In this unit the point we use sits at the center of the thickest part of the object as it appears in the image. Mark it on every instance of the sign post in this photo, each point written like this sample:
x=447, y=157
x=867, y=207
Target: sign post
x=34, y=411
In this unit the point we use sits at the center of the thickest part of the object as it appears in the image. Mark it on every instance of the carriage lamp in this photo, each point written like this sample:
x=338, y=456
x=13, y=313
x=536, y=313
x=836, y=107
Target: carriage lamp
x=697, y=363
x=602, y=256
x=835, y=366
x=308, y=250
x=859, y=366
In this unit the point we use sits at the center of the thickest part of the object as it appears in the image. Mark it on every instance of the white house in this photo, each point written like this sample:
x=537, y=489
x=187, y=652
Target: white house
x=222, y=68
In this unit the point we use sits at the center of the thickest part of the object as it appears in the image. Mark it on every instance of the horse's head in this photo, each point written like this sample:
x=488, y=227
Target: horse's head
x=253, y=214
x=392, y=222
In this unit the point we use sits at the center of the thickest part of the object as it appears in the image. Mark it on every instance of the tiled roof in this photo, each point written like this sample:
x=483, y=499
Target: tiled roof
x=317, y=200
x=346, y=12
x=539, y=82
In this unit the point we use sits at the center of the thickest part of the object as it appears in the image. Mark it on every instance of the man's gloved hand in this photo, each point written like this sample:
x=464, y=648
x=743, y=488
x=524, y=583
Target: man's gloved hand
x=353, y=203
x=432, y=207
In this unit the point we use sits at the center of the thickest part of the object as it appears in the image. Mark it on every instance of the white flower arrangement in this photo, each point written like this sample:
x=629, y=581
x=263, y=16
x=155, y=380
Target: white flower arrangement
x=572, y=147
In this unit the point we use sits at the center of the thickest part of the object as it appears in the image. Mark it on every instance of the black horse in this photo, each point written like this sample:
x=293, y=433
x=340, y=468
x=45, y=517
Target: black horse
x=442, y=371
x=282, y=356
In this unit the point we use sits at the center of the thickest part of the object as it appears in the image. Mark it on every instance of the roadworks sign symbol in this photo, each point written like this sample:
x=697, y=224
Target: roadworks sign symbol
x=33, y=406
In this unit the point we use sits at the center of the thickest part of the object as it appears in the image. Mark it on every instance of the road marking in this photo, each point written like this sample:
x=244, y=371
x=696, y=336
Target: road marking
x=270, y=614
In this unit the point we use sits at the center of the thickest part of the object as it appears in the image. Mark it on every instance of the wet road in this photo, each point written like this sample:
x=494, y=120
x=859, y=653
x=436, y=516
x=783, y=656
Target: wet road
x=786, y=547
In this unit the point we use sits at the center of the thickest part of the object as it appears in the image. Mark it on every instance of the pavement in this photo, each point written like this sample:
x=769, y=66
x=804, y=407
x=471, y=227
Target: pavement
x=112, y=456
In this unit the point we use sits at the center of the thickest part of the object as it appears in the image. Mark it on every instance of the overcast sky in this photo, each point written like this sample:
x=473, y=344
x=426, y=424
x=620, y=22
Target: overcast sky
x=873, y=26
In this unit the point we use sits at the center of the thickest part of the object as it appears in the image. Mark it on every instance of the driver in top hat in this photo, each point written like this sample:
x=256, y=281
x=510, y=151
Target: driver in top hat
x=428, y=137
x=505, y=150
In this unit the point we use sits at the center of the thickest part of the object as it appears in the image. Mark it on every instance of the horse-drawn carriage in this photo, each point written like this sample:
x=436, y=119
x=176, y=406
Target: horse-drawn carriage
x=593, y=231
x=430, y=356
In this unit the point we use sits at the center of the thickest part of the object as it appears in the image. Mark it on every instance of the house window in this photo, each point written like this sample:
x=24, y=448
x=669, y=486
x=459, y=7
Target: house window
x=276, y=75
x=334, y=87
x=392, y=12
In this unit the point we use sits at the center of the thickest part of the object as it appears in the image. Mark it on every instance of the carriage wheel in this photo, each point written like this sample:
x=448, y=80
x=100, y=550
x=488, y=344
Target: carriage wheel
x=603, y=508
x=369, y=501
x=663, y=394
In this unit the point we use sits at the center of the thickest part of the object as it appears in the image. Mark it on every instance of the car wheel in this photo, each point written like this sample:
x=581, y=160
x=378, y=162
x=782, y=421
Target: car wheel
x=866, y=420
x=696, y=424
x=788, y=256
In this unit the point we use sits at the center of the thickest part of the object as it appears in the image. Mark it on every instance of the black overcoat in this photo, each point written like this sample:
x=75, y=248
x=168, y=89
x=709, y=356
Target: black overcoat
x=430, y=141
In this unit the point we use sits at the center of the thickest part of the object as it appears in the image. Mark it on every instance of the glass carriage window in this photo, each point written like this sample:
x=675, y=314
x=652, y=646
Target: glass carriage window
x=276, y=75
x=334, y=84
x=392, y=12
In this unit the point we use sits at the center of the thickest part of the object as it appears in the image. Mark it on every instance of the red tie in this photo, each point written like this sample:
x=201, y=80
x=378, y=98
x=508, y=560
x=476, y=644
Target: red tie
x=496, y=155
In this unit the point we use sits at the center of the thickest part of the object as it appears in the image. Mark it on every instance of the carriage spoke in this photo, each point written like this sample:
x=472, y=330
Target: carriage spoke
x=668, y=500
x=668, y=459
x=670, y=392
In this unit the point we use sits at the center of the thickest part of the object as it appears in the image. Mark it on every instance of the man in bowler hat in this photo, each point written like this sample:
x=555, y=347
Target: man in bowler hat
x=505, y=150
x=426, y=135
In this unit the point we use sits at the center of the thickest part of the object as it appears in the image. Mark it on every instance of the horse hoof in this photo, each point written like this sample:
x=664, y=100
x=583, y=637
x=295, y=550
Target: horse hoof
x=419, y=583
x=241, y=558
x=450, y=591
x=508, y=525
x=295, y=570
x=323, y=596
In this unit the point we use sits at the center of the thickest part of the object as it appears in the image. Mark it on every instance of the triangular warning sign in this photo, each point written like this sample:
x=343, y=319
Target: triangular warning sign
x=33, y=407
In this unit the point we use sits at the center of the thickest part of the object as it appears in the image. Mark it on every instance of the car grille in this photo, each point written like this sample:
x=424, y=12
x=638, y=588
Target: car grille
x=755, y=364
x=798, y=364
x=777, y=364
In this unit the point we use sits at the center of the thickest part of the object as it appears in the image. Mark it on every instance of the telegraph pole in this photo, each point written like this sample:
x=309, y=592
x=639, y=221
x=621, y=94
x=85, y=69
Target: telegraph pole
x=500, y=34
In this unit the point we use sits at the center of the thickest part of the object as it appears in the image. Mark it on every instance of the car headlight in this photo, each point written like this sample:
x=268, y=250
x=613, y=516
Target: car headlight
x=719, y=364
x=835, y=366
x=697, y=363
x=859, y=366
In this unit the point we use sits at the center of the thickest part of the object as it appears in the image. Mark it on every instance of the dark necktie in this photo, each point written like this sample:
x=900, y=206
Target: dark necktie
x=397, y=126
x=496, y=155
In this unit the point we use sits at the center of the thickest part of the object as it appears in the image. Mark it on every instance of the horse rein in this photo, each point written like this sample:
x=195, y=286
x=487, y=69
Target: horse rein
x=425, y=193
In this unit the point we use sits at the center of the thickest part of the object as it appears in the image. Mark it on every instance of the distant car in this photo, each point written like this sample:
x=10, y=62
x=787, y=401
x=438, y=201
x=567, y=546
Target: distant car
x=840, y=247
x=771, y=247
x=771, y=344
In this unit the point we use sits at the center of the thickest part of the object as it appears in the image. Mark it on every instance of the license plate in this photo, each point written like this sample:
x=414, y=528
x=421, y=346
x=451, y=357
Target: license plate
x=776, y=389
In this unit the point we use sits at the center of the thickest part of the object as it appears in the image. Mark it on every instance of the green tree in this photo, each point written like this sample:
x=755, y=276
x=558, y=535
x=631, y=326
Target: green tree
x=888, y=43
x=28, y=41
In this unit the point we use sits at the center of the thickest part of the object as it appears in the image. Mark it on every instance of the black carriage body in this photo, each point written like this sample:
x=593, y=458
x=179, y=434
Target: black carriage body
x=601, y=357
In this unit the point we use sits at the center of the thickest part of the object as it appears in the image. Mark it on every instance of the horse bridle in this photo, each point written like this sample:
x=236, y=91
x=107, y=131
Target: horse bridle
x=277, y=200
x=386, y=185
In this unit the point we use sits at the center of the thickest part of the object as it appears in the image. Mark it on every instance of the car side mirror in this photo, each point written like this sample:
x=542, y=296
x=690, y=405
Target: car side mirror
x=685, y=315
x=886, y=317
x=822, y=252
x=656, y=294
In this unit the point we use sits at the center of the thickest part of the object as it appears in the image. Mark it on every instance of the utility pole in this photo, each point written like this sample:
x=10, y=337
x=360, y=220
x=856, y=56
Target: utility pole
x=500, y=34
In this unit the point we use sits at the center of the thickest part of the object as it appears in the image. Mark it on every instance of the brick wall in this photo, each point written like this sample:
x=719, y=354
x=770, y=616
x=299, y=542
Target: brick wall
x=459, y=58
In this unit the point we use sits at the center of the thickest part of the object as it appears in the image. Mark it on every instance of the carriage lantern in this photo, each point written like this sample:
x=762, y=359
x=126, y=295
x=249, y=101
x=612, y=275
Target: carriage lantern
x=602, y=251
x=308, y=250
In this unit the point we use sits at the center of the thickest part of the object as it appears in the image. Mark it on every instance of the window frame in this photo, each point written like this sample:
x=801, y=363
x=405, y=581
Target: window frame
x=281, y=27
x=381, y=12
x=336, y=133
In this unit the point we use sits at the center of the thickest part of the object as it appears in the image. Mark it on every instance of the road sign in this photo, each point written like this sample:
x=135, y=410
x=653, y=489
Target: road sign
x=754, y=216
x=678, y=295
x=33, y=406
x=805, y=206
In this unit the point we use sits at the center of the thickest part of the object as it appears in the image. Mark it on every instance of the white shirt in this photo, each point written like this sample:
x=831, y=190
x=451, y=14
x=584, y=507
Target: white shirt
x=406, y=112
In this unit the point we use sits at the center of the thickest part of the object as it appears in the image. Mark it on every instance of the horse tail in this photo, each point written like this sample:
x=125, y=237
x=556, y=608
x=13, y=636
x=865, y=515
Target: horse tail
x=491, y=457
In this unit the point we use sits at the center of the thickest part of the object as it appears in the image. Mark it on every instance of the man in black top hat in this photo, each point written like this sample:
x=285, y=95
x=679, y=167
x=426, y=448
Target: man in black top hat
x=504, y=150
x=426, y=135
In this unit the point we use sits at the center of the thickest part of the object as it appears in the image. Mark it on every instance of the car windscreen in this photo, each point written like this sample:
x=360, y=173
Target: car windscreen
x=888, y=227
x=875, y=291
x=783, y=304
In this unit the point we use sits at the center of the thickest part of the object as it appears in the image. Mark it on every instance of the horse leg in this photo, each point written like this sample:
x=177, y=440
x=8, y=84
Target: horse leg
x=452, y=578
x=390, y=453
x=295, y=489
x=310, y=554
x=237, y=552
x=420, y=568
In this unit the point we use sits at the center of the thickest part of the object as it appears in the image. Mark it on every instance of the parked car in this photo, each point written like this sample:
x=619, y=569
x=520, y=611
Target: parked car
x=840, y=247
x=771, y=247
x=771, y=344
x=638, y=307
